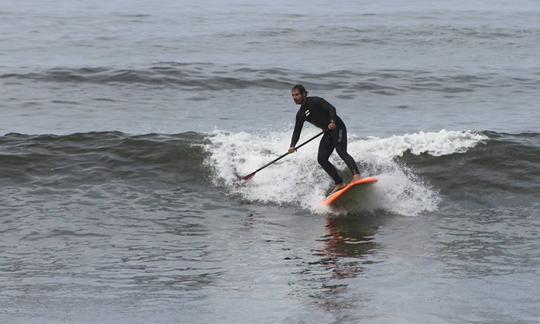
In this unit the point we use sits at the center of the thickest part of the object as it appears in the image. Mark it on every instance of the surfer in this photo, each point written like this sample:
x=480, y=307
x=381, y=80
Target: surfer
x=322, y=114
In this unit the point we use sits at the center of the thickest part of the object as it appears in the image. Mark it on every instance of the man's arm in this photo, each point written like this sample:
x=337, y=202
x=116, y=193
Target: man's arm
x=331, y=110
x=297, y=129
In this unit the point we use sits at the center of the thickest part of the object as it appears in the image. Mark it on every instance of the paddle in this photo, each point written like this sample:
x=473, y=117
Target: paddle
x=249, y=176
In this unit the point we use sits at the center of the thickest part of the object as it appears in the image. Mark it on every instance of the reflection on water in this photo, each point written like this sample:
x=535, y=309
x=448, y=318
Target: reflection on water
x=348, y=237
x=346, y=247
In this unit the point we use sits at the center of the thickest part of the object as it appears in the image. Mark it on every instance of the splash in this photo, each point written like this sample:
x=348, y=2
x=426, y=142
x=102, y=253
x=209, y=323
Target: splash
x=298, y=179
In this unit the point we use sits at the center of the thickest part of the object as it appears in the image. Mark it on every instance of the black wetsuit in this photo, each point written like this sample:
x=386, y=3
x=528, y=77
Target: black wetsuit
x=320, y=113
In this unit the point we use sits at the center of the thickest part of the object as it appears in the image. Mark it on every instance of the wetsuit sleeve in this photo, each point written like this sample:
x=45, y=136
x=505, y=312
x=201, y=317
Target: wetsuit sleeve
x=297, y=129
x=331, y=109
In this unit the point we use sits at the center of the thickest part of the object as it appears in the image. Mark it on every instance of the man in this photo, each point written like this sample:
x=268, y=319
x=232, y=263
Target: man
x=320, y=113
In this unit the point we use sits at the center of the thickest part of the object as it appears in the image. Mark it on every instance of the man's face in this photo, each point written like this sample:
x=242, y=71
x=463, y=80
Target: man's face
x=298, y=97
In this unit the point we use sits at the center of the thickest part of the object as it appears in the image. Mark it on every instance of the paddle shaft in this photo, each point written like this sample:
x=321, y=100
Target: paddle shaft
x=281, y=157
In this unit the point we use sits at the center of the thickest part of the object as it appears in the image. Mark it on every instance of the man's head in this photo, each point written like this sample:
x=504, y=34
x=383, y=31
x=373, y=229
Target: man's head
x=299, y=94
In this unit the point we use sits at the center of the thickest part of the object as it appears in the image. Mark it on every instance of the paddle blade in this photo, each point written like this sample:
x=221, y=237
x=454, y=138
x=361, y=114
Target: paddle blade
x=249, y=176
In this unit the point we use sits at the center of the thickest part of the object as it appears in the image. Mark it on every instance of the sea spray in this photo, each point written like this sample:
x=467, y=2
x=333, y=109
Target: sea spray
x=298, y=179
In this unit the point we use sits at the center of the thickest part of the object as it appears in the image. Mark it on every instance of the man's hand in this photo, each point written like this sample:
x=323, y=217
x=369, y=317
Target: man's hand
x=332, y=126
x=292, y=150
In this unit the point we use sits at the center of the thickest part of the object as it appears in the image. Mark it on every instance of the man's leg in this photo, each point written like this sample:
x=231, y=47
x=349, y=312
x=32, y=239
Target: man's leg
x=340, y=139
x=326, y=146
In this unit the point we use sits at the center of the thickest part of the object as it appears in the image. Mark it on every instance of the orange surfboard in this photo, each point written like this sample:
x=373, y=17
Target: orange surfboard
x=338, y=194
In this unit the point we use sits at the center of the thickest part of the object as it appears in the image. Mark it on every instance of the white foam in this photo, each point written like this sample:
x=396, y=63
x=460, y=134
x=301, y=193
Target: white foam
x=298, y=179
x=434, y=143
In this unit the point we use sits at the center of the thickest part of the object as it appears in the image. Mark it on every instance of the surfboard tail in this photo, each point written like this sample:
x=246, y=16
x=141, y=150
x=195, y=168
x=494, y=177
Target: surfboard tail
x=336, y=196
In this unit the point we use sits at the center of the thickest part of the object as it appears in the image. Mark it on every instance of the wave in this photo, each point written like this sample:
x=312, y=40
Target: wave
x=416, y=171
x=208, y=76
x=94, y=158
x=503, y=170
x=299, y=180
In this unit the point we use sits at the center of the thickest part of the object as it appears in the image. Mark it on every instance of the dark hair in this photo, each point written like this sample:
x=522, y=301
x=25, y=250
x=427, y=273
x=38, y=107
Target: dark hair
x=300, y=88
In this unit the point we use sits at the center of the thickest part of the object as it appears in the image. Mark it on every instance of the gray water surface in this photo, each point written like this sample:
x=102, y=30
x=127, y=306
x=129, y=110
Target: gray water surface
x=116, y=228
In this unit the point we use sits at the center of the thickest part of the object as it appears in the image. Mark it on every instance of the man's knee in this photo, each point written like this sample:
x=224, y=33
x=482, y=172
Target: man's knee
x=341, y=151
x=322, y=159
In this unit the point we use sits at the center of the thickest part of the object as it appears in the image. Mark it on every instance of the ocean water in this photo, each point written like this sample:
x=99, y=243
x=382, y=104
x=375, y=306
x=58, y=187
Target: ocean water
x=124, y=126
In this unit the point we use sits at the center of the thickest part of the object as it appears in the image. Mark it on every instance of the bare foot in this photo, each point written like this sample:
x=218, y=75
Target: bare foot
x=356, y=177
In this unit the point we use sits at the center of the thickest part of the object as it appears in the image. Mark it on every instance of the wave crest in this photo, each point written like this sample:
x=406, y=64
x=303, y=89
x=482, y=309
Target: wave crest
x=298, y=179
